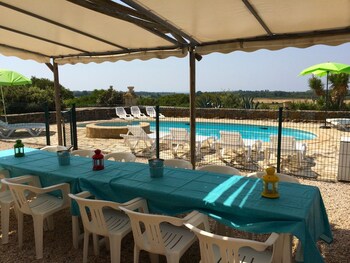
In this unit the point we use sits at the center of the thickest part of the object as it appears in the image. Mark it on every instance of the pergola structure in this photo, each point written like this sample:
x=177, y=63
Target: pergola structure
x=58, y=32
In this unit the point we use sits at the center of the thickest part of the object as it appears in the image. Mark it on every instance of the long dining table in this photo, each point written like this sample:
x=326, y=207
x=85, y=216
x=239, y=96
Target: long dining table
x=230, y=199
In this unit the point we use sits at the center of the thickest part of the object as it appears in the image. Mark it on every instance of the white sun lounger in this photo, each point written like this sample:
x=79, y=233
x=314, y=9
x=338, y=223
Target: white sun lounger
x=135, y=112
x=34, y=129
x=152, y=112
x=340, y=123
x=121, y=113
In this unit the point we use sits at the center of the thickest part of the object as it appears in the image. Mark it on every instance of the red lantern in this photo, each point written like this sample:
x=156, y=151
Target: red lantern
x=98, y=161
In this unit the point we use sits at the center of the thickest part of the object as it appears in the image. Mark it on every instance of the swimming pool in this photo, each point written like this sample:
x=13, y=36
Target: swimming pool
x=248, y=131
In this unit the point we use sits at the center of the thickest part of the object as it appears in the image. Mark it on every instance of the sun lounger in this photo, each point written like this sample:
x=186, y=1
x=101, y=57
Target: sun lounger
x=233, y=141
x=289, y=146
x=152, y=112
x=121, y=113
x=340, y=123
x=34, y=129
x=136, y=113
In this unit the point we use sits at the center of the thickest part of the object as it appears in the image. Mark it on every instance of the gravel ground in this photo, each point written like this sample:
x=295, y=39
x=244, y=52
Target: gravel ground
x=58, y=245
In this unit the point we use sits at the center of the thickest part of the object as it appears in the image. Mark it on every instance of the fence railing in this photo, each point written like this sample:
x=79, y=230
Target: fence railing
x=303, y=148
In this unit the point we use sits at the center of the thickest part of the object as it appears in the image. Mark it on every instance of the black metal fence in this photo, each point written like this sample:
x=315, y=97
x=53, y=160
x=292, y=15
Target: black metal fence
x=69, y=128
x=303, y=148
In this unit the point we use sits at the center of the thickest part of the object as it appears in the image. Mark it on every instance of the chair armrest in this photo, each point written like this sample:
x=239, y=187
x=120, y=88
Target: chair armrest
x=138, y=203
x=84, y=194
x=196, y=219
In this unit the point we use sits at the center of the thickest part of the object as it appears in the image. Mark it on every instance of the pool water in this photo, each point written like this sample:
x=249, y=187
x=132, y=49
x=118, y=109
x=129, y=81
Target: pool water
x=248, y=131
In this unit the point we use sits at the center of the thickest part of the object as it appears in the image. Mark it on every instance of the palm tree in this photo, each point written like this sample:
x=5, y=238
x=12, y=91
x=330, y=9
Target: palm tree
x=338, y=89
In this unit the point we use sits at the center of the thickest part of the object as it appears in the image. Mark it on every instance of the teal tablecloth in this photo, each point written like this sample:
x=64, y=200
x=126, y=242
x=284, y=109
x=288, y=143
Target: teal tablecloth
x=233, y=200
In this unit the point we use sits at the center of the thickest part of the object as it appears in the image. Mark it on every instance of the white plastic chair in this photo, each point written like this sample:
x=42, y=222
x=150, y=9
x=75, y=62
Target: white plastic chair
x=41, y=207
x=6, y=201
x=121, y=113
x=178, y=163
x=215, y=248
x=136, y=112
x=282, y=177
x=152, y=112
x=289, y=146
x=54, y=148
x=233, y=141
x=104, y=218
x=121, y=157
x=220, y=169
x=163, y=235
x=83, y=153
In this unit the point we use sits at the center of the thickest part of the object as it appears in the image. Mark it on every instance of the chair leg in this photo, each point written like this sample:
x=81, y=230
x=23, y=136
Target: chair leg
x=96, y=243
x=154, y=258
x=172, y=259
x=50, y=223
x=5, y=222
x=136, y=254
x=86, y=245
x=115, y=243
x=20, y=228
x=38, y=235
x=75, y=231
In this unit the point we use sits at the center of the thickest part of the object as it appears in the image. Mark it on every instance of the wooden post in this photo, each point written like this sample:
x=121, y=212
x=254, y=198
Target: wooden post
x=57, y=103
x=193, y=107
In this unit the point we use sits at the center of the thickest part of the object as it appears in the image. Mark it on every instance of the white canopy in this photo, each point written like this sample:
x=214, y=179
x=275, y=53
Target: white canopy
x=82, y=31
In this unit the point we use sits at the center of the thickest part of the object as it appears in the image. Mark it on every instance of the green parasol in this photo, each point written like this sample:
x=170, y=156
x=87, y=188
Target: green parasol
x=323, y=69
x=11, y=78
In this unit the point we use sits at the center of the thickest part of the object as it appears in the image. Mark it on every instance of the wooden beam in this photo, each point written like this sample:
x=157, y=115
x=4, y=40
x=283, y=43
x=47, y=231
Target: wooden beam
x=161, y=21
x=256, y=15
x=193, y=107
x=60, y=25
x=41, y=38
x=112, y=9
x=57, y=104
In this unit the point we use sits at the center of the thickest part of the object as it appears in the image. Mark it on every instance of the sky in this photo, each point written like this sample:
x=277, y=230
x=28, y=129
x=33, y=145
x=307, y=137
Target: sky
x=259, y=70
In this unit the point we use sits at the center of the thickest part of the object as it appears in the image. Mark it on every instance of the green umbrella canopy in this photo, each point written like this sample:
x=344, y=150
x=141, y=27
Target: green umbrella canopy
x=324, y=68
x=12, y=78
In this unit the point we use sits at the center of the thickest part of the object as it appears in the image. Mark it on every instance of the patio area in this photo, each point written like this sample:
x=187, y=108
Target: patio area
x=58, y=247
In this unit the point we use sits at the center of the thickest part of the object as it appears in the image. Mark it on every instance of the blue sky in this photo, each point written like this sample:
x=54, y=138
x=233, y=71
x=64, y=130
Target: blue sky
x=259, y=70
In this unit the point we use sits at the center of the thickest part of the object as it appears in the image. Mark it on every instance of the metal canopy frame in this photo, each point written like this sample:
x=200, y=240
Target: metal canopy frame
x=174, y=39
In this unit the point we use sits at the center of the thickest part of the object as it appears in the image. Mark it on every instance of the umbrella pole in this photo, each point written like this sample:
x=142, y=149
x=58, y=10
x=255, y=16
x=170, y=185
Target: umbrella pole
x=3, y=103
x=326, y=110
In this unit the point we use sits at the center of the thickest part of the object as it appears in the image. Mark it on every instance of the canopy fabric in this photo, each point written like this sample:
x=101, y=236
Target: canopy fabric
x=83, y=31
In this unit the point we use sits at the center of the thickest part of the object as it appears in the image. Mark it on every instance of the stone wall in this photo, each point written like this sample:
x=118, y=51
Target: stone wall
x=107, y=113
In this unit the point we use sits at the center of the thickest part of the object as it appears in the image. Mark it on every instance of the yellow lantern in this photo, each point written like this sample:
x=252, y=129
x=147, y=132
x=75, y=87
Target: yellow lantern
x=270, y=183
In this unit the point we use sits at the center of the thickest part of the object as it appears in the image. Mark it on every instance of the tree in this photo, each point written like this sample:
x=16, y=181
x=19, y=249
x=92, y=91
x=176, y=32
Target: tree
x=338, y=89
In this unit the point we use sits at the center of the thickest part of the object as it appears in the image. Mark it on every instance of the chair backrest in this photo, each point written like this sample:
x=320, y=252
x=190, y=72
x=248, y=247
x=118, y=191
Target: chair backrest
x=150, y=111
x=178, y=163
x=147, y=232
x=282, y=177
x=83, y=153
x=120, y=111
x=231, y=138
x=287, y=142
x=179, y=134
x=135, y=111
x=216, y=248
x=121, y=157
x=91, y=212
x=220, y=169
x=54, y=148
x=20, y=187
